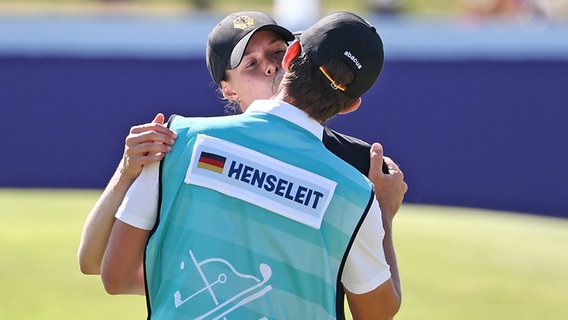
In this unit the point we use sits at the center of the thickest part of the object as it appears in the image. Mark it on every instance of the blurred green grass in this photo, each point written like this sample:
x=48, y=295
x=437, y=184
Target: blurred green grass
x=455, y=263
x=39, y=273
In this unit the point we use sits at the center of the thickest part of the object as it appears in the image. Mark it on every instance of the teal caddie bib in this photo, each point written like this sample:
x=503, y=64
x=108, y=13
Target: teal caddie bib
x=256, y=220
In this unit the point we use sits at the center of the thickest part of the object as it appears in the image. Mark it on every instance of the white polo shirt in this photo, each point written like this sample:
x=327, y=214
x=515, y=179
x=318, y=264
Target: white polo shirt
x=365, y=268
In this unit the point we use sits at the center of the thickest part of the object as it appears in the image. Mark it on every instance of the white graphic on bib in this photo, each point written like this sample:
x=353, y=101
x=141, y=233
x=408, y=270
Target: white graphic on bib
x=251, y=287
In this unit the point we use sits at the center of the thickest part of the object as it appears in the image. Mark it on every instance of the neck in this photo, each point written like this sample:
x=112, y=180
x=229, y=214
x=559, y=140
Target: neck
x=282, y=95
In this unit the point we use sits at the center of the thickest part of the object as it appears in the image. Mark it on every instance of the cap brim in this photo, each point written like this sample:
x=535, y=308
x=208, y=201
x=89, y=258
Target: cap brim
x=240, y=47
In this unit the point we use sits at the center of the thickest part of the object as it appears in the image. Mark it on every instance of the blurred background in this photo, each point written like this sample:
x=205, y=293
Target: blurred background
x=471, y=103
x=548, y=9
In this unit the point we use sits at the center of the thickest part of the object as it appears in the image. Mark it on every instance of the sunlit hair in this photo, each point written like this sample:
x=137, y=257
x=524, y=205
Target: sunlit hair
x=312, y=92
x=231, y=107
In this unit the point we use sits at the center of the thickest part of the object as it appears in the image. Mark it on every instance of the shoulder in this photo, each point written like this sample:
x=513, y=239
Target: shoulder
x=205, y=124
x=352, y=150
x=337, y=137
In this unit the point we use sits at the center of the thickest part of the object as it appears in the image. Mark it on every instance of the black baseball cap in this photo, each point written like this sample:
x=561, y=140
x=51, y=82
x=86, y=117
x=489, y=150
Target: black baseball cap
x=346, y=37
x=228, y=40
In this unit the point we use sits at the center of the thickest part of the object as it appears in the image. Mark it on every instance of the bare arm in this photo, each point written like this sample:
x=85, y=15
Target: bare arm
x=122, y=266
x=145, y=144
x=378, y=304
x=99, y=222
x=389, y=191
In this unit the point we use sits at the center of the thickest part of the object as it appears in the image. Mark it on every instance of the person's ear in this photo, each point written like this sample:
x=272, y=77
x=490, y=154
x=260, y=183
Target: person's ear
x=228, y=91
x=292, y=52
x=354, y=106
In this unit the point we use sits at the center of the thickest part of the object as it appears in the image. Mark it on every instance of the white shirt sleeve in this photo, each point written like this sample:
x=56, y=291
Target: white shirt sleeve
x=366, y=267
x=140, y=205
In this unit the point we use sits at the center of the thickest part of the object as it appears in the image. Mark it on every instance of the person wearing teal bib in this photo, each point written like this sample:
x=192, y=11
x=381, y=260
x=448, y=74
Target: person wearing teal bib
x=257, y=219
x=146, y=144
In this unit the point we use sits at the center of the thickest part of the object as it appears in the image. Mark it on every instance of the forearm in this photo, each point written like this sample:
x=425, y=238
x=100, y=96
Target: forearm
x=122, y=269
x=378, y=304
x=99, y=222
x=129, y=284
x=390, y=256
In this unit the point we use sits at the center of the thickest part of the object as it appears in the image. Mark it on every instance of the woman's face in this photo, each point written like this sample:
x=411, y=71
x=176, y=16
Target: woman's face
x=260, y=71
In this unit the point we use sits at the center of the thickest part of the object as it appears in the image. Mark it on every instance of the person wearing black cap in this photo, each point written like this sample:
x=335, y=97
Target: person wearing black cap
x=244, y=56
x=258, y=77
x=257, y=219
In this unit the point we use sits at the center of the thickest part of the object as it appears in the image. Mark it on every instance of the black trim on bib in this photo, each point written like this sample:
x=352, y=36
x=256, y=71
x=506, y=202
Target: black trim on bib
x=148, y=307
x=340, y=297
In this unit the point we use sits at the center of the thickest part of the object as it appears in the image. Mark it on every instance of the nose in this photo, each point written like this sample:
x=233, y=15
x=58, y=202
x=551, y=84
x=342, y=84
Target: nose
x=272, y=67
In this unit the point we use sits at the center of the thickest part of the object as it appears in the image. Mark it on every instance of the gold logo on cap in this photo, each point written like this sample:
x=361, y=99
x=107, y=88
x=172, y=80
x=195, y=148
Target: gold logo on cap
x=243, y=22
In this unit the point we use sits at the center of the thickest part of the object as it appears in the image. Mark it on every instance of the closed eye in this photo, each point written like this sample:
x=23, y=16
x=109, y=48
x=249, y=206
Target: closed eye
x=250, y=63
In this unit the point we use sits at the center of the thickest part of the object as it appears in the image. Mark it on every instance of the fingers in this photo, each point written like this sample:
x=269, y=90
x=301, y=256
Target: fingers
x=154, y=131
x=159, y=118
x=377, y=150
x=147, y=143
x=156, y=126
x=150, y=135
x=395, y=172
x=393, y=167
x=376, y=163
x=135, y=149
x=157, y=130
x=390, y=188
